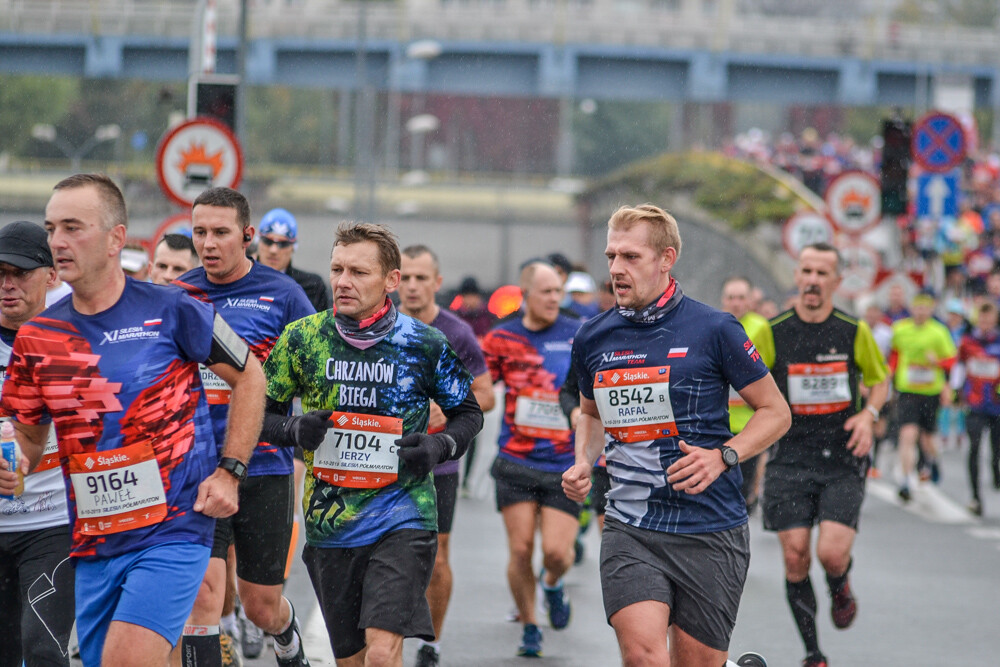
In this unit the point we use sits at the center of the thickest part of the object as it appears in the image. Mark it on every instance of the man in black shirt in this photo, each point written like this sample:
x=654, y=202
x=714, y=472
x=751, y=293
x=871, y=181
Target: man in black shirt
x=279, y=235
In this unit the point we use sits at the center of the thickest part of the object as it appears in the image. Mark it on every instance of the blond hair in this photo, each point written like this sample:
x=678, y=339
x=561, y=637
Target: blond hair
x=663, y=231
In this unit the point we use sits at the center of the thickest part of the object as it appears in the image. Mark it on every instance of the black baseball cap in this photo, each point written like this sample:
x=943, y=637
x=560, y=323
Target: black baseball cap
x=25, y=245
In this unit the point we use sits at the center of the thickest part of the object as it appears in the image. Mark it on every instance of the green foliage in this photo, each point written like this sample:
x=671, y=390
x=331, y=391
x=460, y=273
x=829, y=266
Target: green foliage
x=728, y=189
x=617, y=133
x=27, y=100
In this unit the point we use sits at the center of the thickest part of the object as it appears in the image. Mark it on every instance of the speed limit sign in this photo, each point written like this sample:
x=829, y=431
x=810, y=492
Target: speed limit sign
x=805, y=228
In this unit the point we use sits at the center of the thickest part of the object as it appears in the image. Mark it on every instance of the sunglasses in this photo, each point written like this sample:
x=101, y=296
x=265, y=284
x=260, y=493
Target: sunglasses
x=281, y=244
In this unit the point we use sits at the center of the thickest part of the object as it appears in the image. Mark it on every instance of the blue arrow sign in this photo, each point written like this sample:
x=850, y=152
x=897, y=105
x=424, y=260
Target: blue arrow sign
x=937, y=195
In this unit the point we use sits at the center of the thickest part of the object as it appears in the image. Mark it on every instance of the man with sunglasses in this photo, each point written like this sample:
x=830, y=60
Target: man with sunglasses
x=279, y=233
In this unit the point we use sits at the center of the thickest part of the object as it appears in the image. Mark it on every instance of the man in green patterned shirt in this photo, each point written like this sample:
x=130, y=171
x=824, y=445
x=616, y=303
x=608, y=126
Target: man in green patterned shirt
x=365, y=374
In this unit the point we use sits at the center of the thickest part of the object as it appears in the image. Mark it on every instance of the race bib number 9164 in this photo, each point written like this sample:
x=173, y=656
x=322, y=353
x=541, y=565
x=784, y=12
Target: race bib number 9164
x=634, y=403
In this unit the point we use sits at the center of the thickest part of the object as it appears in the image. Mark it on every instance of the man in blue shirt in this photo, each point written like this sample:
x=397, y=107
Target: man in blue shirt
x=654, y=377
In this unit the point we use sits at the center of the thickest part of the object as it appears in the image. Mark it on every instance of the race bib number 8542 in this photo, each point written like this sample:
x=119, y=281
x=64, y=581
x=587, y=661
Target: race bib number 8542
x=634, y=403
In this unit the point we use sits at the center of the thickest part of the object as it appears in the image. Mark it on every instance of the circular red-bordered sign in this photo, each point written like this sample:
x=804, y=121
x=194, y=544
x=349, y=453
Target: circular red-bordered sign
x=196, y=155
x=861, y=267
x=805, y=228
x=175, y=224
x=939, y=142
x=854, y=202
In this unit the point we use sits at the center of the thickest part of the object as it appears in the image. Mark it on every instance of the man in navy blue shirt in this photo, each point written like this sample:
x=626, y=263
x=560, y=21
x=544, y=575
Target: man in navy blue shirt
x=654, y=377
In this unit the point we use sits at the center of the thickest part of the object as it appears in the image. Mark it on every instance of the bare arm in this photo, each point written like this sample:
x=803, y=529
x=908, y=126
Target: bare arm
x=31, y=441
x=862, y=423
x=482, y=389
x=589, y=445
x=218, y=493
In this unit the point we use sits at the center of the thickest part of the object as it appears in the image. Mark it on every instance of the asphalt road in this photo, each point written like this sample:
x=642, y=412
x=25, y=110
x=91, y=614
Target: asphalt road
x=926, y=576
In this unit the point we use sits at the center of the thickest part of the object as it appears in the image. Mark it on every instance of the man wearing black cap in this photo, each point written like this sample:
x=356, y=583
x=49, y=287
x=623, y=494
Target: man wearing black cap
x=34, y=526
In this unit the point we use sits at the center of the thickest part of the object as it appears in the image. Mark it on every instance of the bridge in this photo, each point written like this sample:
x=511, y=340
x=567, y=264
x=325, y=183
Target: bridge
x=847, y=52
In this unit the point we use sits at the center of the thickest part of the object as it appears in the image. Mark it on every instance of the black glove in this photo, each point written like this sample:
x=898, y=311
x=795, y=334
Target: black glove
x=421, y=452
x=308, y=430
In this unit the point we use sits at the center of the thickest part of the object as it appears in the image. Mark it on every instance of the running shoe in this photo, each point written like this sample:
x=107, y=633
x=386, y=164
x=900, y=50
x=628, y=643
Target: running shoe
x=299, y=659
x=428, y=657
x=815, y=660
x=230, y=656
x=557, y=604
x=751, y=660
x=844, y=607
x=976, y=507
x=904, y=494
x=531, y=642
x=251, y=637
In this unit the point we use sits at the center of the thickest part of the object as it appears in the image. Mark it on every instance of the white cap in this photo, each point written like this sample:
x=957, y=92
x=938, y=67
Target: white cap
x=134, y=259
x=578, y=281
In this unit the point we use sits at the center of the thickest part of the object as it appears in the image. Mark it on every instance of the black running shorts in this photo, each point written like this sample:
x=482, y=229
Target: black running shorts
x=918, y=409
x=518, y=483
x=261, y=529
x=446, y=487
x=800, y=496
x=381, y=585
x=700, y=576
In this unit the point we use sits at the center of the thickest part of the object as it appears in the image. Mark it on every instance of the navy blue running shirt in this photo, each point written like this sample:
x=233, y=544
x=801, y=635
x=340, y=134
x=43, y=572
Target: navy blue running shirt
x=656, y=384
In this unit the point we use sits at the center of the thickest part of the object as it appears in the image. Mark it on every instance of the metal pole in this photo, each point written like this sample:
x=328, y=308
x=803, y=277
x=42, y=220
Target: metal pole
x=362, y=120
x=241, y=74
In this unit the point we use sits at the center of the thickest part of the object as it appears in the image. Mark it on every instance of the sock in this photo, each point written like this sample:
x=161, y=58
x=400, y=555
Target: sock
x=228, y=623
x=836, y=583
x=545, y=586
x=286, y=642
x=200, y=646
x=434, y=645
x=802, y=600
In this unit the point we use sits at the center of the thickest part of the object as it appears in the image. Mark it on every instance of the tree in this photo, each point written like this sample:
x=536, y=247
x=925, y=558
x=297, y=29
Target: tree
x=27, y=100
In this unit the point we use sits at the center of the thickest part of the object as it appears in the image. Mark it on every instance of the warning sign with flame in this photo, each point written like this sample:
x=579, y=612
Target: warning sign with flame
x=854, y=200
x=196, y=155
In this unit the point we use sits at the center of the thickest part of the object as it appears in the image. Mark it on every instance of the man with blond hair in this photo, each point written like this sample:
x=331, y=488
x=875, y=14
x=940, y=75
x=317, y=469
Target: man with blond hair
x=654, y=377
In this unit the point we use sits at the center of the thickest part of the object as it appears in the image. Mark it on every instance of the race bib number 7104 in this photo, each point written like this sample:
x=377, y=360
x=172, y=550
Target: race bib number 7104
x=634, y=403
x=359, y=451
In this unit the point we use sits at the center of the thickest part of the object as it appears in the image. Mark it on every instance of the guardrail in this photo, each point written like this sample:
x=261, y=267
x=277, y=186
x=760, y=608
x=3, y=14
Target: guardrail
x=651, y=23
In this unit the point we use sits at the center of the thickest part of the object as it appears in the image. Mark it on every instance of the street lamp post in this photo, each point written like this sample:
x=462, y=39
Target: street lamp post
x=48, y=134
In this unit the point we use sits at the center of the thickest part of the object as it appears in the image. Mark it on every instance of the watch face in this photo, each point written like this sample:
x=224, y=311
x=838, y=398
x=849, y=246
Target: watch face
x=730, y=457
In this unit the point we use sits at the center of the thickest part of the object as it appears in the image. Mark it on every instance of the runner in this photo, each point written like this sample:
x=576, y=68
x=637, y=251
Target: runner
x=977, y=375
x=530, y=354
x=371, y=514
x=419, y=282
x=258, y=302
x=174, y=256
x=36, y=578
x=279, y=236
x=736, y=292
x=675, y=548
x=922, y=351
x=112, y=366
x=816, y=474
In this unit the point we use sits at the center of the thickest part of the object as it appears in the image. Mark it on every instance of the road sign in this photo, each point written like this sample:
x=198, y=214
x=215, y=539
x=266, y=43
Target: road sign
x=861, y=268
x=854, y=200
x=196, y=155
x=179, y=223
x=937, y=195
x=939, y=142
x=805, y=228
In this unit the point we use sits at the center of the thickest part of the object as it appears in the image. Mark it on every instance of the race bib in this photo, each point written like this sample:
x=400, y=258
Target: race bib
x=735, y=400
x=920, y=374
x=818, y=389
x=359, y=451
x=983, y=368
x=216, y=390
x=537, y=415
x=117, y=490
x=634, y=403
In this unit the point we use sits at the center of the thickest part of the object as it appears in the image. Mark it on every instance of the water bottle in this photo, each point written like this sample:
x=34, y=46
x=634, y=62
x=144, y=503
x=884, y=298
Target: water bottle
x=12, y=454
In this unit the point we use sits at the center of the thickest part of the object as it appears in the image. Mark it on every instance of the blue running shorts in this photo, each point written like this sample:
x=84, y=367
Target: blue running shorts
x=154, y=588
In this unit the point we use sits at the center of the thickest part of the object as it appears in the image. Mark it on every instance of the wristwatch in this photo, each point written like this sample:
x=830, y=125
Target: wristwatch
x=234, y=467
x=875, y=412
x=730, y=457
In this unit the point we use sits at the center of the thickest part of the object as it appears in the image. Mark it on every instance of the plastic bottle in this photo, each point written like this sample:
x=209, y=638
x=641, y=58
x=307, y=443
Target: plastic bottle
x=12, y=454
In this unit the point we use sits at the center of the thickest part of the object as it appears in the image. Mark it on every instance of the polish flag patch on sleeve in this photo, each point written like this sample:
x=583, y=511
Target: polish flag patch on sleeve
x=152, y=323
x=676, y=352
x=269, y=299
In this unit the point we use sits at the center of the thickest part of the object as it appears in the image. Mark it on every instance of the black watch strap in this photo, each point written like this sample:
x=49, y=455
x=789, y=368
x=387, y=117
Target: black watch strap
x=234, y=467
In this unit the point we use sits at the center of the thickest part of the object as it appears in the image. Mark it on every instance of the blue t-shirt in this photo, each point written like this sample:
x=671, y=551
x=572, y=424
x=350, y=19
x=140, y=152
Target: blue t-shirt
x=682, y=364
x=533, y=366
x=125, y=379
x=258, y=307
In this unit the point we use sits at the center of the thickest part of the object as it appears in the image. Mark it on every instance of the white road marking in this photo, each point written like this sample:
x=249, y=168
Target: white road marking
x=928, y=502
x=316, y=639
